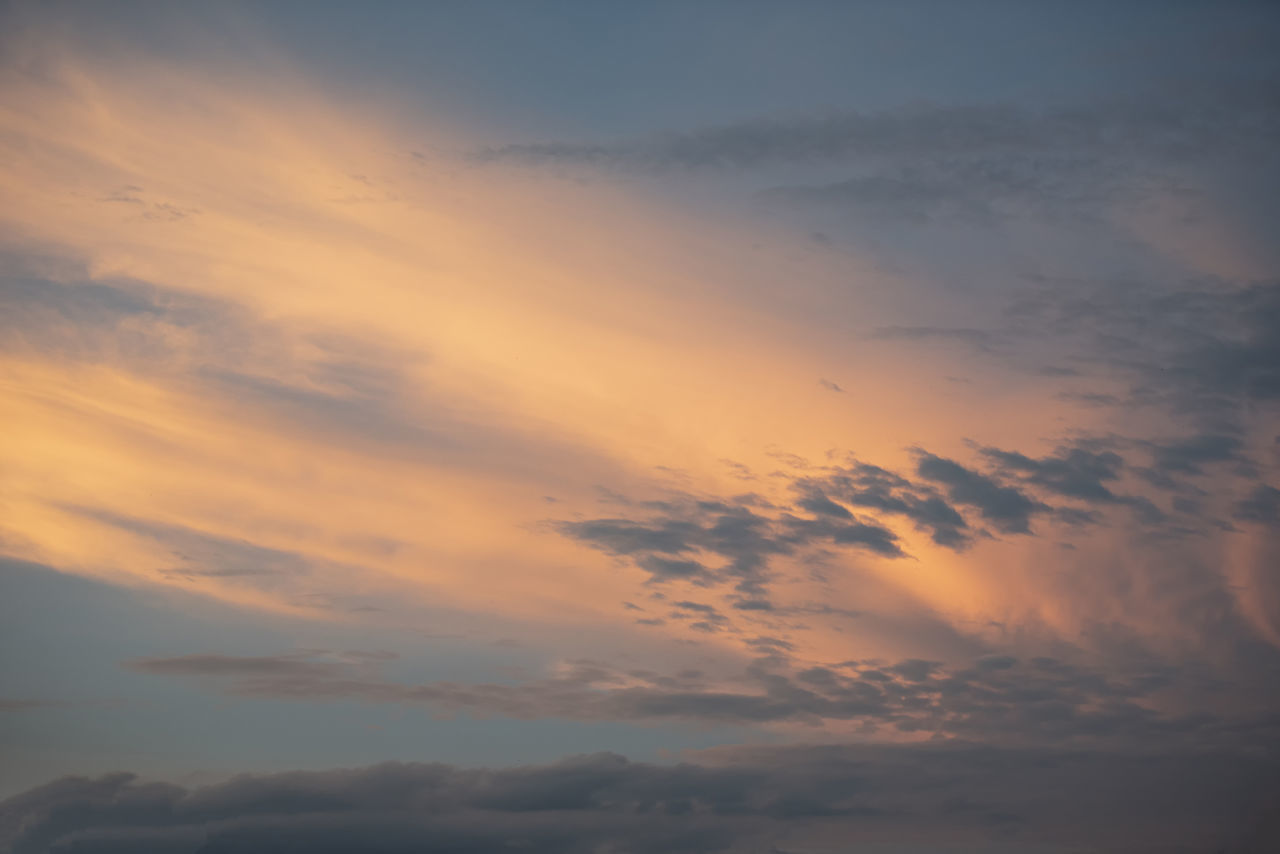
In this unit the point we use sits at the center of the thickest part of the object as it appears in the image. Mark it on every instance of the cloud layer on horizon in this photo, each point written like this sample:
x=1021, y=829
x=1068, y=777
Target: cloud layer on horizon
x=791, y=798
x=949, y=429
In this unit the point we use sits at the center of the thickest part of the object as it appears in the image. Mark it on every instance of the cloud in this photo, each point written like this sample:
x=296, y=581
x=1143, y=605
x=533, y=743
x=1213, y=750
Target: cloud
x=202, y=555
x=875, y=488
x=999, y=699
x=1190, y=455
x=711, y=541
x=1084, y=472
x=1193, y=128
x=973, y=190
x=1262, y=506
x=838, y=522
x=1071, y=164
x=322, y=379
x=729, y=532
x=303, y=665
x=1199, y=349
x=735, y=799
x=1006, y=507
x=1072, y=472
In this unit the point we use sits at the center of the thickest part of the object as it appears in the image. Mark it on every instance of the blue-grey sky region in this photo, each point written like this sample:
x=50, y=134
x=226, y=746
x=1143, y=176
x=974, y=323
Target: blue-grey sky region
x=634, y=427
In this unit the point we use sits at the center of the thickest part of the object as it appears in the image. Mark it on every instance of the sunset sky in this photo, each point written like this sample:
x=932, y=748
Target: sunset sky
x=639, y=427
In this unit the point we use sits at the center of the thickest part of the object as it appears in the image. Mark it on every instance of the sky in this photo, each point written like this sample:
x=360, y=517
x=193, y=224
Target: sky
x=621, y=428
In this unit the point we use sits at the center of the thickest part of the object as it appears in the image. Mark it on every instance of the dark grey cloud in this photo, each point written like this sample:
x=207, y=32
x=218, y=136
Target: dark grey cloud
x=1007, y=508
x=733, y=799
x=666, y=569
x=1086, y=471
x=1262, y=505
x=625, y=537
x=1173, y=534
x=915, y=669
x=816, y=502
x=577, y=805
x=1205, y=351
x=1200, y=353
x=1192, y=454
x=1071, y=472
x=874, y=488
x=737, y=539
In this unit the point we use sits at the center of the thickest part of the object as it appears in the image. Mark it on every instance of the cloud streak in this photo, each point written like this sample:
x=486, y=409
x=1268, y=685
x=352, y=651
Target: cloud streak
x=997, y=699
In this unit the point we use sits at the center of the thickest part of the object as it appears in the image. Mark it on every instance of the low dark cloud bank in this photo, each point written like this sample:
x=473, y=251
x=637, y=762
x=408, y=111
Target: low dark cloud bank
x=786, y=799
